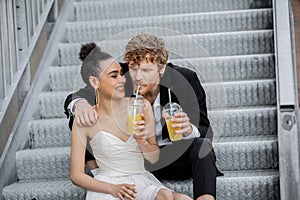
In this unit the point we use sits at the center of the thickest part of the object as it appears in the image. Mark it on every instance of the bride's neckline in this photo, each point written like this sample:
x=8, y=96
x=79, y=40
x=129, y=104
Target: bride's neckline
x=111, y=135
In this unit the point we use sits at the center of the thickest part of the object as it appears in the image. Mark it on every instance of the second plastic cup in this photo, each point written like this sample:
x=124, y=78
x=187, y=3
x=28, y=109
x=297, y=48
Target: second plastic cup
x=170, y=111
x=135, y=110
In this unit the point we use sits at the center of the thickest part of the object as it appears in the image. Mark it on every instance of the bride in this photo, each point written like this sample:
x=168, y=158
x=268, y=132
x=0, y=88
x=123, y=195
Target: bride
x=120, y=156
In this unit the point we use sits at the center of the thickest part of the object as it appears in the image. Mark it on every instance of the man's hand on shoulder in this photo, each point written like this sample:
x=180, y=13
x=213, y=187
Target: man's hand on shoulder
x=86, y=114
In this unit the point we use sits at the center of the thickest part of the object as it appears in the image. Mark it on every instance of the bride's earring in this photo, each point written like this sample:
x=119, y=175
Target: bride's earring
x=97, y=96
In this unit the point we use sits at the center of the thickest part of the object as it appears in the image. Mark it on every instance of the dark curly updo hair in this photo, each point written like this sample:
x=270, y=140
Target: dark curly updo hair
x=86, y=49
x=91, y=56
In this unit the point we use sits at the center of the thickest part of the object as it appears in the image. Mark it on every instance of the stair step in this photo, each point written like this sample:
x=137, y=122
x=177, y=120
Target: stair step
x=247, y=153
x=213, y=69
x=231, y=68
x=46, y=190
x=240, y=94
x=250, y=185
x=43, y=164
x=52, y=104
x=243, y=122
x=49, y=133
x=253, y=184
x=219, y=95
x=202, y=45
x=92, y=10
x=53, y=163
x=65, y=78
x=225, y=123
x=194, y=23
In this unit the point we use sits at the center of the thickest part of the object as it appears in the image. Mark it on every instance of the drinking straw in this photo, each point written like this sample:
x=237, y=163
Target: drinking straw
x=137, y=92
x=170, y=102
x=135, y=101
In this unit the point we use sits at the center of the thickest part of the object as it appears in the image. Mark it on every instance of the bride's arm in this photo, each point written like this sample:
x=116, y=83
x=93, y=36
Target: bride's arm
x=146, y=139
x=150, y=149
x=78, y=176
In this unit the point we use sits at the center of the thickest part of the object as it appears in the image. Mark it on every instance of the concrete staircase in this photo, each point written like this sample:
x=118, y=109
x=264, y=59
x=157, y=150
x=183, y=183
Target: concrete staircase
x=228, y=43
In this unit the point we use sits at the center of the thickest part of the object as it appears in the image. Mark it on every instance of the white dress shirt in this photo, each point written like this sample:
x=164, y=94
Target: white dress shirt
x=71, y=106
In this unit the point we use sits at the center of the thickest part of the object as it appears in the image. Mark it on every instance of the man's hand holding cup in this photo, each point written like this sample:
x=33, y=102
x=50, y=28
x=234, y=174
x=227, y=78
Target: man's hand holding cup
x=177, y=121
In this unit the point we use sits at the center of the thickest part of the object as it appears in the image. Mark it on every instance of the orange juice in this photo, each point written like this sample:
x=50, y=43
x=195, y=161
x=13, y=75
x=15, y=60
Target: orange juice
x=171, y=130
x=130, y=120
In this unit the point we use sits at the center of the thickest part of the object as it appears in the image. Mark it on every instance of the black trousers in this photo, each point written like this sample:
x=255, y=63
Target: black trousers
x=193, y=158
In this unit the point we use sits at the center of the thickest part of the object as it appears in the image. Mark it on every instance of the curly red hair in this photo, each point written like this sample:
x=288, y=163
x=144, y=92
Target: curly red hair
x=144, y=44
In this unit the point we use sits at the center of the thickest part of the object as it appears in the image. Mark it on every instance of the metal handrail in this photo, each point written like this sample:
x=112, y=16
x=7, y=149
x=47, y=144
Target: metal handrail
x=19, y=34
x=287, y=103
x=17, y=139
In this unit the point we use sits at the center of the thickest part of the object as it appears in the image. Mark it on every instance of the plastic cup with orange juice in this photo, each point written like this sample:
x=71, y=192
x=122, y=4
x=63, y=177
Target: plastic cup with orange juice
x=169, y=112
x=135, y=110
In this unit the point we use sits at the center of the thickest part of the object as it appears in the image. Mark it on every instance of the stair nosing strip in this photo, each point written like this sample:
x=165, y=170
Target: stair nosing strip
x=171, y=16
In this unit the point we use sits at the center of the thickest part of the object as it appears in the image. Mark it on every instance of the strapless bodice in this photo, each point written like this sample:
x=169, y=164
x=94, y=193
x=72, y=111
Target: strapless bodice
x=116, y=157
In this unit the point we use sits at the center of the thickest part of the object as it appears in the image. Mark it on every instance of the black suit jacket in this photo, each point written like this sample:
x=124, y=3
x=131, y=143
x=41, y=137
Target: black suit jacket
x=186, y=90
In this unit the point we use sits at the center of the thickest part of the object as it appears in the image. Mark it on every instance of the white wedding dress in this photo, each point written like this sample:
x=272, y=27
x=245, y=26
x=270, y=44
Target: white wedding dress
x=122, y=162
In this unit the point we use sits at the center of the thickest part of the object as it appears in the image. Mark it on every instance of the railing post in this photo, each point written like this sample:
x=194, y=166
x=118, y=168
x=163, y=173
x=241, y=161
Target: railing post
x=22, y=29
x=21, y=23
x=288, y=110
x=1, y=61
